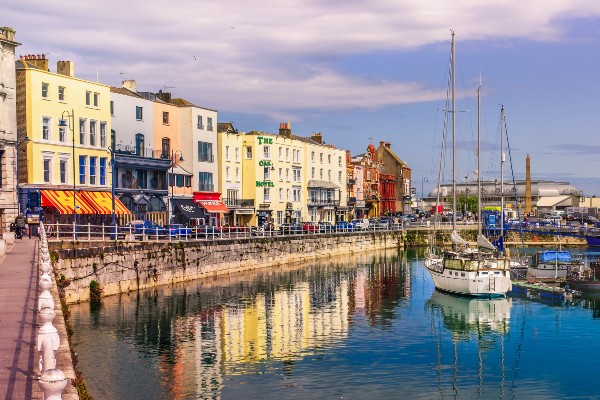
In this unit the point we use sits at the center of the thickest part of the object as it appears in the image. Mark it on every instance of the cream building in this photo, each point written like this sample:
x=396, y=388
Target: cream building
x=8, y=129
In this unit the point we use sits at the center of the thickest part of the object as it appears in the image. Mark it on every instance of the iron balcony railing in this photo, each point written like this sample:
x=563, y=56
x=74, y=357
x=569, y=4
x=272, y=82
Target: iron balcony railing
x=239, y=203
x=206, y=157
x=323, y=202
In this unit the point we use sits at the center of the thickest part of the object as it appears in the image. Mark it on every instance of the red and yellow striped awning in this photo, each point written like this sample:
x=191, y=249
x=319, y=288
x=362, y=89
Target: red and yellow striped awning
x=102, y=202
x=62, y=200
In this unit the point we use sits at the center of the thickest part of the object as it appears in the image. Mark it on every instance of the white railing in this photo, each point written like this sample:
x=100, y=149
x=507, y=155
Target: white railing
x=52, y=380
x=88, y=232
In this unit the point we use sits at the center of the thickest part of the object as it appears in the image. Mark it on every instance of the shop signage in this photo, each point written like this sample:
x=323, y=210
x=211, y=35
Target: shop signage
x=264, y=140
x=264, y=163
x=264, y=184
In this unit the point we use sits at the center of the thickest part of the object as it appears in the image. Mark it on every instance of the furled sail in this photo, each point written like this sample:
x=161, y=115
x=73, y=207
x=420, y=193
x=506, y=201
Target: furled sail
x=456, y=239
x=484, y=243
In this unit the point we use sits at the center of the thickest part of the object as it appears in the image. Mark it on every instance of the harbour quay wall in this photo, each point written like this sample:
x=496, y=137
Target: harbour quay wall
x=120, y=267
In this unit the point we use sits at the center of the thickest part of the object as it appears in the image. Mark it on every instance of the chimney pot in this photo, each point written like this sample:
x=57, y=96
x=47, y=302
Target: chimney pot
x=382, y=144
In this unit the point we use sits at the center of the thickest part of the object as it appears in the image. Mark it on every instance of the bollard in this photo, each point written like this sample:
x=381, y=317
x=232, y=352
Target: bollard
x=52, y=383
x=47, y=357
x=45, y=298
x=47, y=330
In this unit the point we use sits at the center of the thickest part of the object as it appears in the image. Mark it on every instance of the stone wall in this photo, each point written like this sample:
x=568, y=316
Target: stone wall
x=121, y=267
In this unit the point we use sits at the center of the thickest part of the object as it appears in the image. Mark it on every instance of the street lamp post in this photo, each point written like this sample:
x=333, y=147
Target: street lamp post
x=63, y=123
x=17, y=144
x=172, y=183
x=111, y=150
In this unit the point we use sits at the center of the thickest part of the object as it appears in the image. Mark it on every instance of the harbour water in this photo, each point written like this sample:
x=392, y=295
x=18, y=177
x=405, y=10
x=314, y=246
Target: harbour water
x=368, y=327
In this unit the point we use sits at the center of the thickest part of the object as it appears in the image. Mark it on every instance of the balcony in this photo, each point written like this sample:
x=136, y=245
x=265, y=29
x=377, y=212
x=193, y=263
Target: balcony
x=323, y=203
x=239, y=203
x=351, y=182
x=147, y=152
x=206, y=187
x=206, y=157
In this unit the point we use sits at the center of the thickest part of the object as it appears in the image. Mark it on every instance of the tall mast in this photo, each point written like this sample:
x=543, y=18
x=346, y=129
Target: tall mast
x=479, y=160
x=502, y=171
x=453, y=65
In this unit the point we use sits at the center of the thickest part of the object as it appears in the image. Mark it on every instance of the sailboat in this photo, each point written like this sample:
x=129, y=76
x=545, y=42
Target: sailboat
x=480, y=272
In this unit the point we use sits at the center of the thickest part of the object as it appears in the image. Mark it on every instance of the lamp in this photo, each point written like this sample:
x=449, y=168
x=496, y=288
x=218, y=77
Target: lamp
x=173, y=163
x=17, y=144
x=111, y=150
x=63, y=123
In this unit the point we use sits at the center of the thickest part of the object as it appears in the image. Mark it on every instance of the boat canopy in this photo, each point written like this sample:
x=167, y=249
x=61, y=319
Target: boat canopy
x=554, y=255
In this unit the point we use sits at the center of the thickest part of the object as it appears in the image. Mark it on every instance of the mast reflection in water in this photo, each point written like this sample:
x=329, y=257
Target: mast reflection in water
x=357, y=328
x=471, y=322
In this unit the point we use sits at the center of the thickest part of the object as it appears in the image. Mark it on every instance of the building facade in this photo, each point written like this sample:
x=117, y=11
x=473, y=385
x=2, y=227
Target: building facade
x=8, y=130
x=401, y=173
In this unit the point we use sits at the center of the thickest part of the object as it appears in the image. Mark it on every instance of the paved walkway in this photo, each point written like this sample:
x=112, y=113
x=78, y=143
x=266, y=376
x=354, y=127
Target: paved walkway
x=18, y=318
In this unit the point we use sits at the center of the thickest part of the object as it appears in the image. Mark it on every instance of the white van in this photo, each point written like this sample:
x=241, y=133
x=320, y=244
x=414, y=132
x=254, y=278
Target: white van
x=362, y=224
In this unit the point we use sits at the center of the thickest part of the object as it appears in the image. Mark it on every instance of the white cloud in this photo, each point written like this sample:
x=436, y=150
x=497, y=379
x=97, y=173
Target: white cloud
x=270, y=57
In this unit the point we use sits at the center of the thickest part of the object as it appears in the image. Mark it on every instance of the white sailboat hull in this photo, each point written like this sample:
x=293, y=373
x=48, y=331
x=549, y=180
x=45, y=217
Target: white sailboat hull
x=472, y=280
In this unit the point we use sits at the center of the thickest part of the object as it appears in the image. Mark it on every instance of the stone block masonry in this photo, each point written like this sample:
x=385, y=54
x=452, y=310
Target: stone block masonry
x=121, y=267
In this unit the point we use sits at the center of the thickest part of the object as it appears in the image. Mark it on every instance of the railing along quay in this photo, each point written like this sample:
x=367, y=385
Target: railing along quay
x=52, y=380
x=88, y=232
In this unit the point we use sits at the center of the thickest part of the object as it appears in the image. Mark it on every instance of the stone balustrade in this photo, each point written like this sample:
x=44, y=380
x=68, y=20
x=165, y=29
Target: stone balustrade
x=52, y=380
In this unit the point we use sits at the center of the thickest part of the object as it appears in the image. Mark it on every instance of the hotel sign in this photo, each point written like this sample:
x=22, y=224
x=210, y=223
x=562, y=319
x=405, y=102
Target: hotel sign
x=264, y=140
x=264, y=184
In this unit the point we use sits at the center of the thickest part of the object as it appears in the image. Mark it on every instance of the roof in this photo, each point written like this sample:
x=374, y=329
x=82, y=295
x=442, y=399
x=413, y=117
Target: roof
x=179, y=170
x=552, y=201
x=125, y=92
x=391, y=153
x=314, y=183
x=226, y=127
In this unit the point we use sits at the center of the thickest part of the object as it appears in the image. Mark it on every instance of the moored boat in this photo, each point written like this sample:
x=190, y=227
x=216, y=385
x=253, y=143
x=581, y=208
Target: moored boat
x=553, y=264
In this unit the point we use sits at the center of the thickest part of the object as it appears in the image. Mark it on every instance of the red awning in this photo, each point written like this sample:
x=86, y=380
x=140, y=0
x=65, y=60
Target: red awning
x=213, y=206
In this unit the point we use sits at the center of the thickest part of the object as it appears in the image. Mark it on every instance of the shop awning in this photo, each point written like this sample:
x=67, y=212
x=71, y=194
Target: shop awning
x=213, y=206
x=102, y=203
x=188, y=208
x=62, y=200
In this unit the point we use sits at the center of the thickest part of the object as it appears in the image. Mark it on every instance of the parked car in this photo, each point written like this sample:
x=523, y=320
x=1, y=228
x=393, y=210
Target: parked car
x=344, y=226
x=310, y=227
x=326, y=227
x=591, y=220
x=290, y=229
x=388, y=221
x=207, y=231
x=360, y=223
x=377, y=224
x=179, y=230
x=552, y=219
x=145, y=227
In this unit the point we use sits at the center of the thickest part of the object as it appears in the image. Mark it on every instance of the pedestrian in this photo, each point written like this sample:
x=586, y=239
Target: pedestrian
x=20, y=223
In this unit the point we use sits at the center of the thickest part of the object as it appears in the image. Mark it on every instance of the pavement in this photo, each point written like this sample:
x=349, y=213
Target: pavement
x=18, y=320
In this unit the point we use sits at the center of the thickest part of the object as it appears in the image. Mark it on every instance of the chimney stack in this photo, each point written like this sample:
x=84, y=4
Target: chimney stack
x=65, y=68
x=130, y=84
x=381, y=143
x=164, y=96
x=285, y=130
x=39, y=61
x=317, y=137
x=388, y=145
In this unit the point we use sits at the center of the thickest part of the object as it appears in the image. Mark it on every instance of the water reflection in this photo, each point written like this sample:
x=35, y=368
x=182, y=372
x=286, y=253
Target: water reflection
x=482, y=323
x=188, y=340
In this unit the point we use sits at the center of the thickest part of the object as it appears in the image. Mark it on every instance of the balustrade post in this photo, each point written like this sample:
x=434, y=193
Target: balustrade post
x=52, y=383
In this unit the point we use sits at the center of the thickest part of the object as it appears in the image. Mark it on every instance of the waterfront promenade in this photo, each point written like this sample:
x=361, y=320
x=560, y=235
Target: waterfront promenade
x=18, y=319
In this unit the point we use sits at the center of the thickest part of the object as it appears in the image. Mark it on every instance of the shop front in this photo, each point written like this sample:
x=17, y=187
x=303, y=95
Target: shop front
x=213, y=206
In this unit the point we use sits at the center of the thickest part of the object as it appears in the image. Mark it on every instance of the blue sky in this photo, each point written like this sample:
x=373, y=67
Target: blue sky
x=355, y=71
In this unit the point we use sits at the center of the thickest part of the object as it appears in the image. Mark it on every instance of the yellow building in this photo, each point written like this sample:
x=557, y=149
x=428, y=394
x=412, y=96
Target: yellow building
x=273, y=176
x=68, y=157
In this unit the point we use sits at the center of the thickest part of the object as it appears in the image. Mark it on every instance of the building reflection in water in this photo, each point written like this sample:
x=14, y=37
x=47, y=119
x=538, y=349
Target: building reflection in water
x=469, y=321
x=199, y=332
